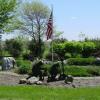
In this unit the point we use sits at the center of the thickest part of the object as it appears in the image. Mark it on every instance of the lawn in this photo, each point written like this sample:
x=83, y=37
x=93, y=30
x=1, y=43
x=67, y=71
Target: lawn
x=48, y=93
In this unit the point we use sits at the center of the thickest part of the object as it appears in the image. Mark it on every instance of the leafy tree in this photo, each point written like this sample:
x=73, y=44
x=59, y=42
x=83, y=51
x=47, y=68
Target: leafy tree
x=88, y=49
x=14, y=47
x=34, y=47
x=96, y=41
x=34, y=18
x=24, y=41
x=7, y=9
x=59, y=40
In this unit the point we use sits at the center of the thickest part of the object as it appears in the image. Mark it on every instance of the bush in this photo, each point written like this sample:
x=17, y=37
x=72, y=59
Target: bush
x=97, y=62
x=82, y=71
x=76, y=71
x=0, y=63
x=75, y=55
x=68, y=55
x=48, y=56
x=25, y=56
x=24, y=66
x=23, y=69
x=81, y=61
x=88, y=49
x=94, y=71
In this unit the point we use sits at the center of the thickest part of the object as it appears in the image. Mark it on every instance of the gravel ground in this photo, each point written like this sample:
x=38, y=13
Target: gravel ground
x=10, y=78
x=78, y=82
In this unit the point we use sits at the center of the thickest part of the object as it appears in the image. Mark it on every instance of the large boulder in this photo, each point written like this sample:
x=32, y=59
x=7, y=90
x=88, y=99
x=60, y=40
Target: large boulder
x=8, y=63
x=32, y=80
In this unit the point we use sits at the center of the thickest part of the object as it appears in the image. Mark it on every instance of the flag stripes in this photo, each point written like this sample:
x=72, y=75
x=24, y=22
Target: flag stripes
x=50, y=27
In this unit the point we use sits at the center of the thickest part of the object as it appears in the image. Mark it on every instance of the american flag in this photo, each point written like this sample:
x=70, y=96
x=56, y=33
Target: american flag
x=49, y=32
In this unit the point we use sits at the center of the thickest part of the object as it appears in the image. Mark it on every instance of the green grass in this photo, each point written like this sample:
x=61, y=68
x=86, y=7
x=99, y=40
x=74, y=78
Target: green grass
x=47, y=93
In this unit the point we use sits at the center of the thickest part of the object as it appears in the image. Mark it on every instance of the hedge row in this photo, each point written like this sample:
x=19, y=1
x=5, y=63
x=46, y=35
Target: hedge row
x=75, y=70
x=82, y=71
x=83, y=61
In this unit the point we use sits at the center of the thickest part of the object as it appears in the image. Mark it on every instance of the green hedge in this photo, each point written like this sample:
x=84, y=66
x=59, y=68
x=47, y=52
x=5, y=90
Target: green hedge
x=81, y=61
x=82, y=71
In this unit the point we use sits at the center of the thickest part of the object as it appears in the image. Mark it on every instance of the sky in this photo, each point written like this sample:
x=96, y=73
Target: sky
x=76, y=16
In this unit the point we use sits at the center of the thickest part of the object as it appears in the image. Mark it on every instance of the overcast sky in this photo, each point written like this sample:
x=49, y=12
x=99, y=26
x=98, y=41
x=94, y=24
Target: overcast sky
x=76, y=16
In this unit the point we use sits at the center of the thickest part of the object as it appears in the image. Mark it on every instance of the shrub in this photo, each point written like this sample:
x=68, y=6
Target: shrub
x=76, y=71
x=49, y=56
x=88, y=49
x=0, y=62
x=23, y=69
x=93, y=71
x=75, y=55
x=25, y=56
x=81, y=71
x=97, y=62
x=24, y=66
x=23, y=62
x=81, y=61
x=68, y=55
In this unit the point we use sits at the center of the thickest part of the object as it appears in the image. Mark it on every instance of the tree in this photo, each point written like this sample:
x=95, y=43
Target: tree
x=34, y=47
x=7, y=8
x=34, y=18
x=14, y=47
x=74, y=48
x=88, y=49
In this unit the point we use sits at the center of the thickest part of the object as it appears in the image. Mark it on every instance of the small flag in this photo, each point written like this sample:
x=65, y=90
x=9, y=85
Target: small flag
x=49, y=32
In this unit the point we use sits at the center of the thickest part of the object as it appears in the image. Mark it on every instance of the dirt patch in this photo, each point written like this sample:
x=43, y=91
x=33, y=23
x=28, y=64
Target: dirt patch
x=78, y=82
x=10, y=78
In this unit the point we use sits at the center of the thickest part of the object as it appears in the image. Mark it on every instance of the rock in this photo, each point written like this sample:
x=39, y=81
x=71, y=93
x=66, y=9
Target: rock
x=8, y=63
x=69, y=79
x=73, y=85
x=32, y=80
x=23, y=81
x=39, y=83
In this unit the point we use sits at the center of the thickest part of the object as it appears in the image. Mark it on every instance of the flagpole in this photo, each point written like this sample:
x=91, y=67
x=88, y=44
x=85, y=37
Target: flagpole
x=50, y=32
x=52, y=35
